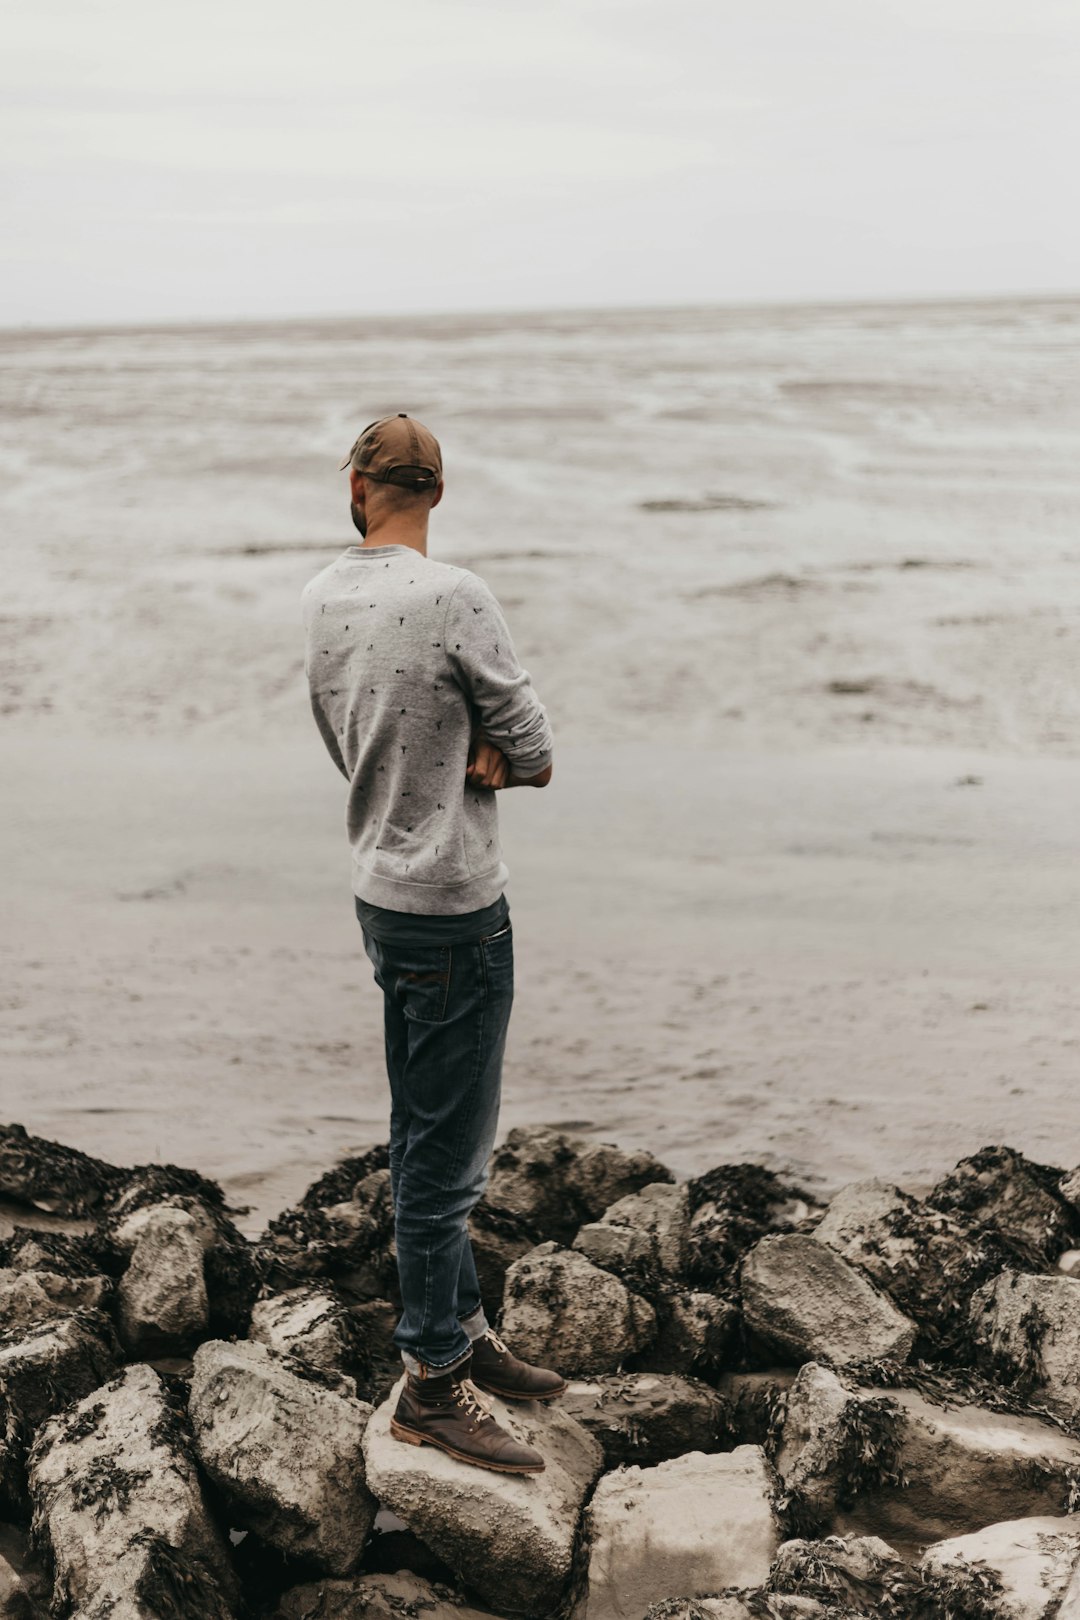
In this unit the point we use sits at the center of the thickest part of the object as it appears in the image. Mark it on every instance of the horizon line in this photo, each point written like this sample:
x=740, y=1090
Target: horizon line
x=519, y=311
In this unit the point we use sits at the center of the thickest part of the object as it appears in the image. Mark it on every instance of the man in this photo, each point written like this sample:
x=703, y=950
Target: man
x=425, y=709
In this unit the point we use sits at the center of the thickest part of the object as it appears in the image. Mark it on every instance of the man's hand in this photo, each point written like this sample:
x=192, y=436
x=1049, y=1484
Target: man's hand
x=488, y=766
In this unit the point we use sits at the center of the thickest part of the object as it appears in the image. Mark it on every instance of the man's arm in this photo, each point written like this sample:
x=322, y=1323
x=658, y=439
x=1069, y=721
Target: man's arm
x=489, y=767
x=508, y=717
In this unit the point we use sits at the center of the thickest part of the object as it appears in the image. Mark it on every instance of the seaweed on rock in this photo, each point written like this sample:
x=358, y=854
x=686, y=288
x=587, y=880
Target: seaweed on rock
x=731, y=1207
x=336, y=1185
x=49, y=1176
x=965, y=1591
x=174, y=1587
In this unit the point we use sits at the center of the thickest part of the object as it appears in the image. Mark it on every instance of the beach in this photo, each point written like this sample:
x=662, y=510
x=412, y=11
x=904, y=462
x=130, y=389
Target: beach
x=800, y=591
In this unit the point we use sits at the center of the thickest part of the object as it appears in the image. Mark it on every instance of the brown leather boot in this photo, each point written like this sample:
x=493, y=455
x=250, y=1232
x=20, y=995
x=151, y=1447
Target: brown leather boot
x=449, y=1412
x=496, y=1369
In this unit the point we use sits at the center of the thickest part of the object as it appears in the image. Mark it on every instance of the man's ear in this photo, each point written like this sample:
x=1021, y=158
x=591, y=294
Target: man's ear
x=438, y=495
x=356, y=485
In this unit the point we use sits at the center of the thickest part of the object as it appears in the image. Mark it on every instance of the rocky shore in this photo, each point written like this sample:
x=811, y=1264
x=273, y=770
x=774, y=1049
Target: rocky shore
x=777, y=1410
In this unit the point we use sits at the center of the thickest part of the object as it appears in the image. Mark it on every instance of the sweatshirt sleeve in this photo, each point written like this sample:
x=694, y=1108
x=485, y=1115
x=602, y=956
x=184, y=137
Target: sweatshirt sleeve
x=326, y=730
x=484, y=664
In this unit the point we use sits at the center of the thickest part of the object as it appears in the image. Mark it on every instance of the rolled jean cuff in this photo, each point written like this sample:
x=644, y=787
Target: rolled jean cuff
x=433, y=1371
x=475, y=1325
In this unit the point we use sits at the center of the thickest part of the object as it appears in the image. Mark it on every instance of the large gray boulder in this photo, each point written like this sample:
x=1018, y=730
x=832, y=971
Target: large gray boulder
x=647, y=1417
x=1027, y=1329
x=118, y=1506
x=908, y=1468
x=509, y=1536
x=374, y=1597
x=926, y=1260
x=285, y=1450
x=1018, y=1570
x=643, y=1237
x=807, y=1302
x=162, y=1302
x=42, y=1368
x=310, y=1322
x=561, y=1311
x=695, y=1523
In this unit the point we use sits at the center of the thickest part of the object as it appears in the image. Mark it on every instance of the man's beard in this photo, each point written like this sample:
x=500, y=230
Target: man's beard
x=358, y=518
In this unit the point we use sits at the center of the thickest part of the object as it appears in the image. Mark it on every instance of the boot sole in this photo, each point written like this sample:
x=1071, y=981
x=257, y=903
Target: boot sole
x=413, y=1437
x=519, y=1395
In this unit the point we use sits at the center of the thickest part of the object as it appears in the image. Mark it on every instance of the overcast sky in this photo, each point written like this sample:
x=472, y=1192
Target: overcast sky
x=225, y=158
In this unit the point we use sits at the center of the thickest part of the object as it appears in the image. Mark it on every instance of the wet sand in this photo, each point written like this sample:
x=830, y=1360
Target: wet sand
x=835, y=964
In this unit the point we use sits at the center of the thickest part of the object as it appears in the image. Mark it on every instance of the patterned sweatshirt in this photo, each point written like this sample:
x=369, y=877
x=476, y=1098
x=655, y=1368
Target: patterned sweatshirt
x=402, y=654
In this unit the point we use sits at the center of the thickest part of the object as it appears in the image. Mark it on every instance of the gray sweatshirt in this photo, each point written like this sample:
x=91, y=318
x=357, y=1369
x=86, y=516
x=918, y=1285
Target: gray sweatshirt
x=401, y=654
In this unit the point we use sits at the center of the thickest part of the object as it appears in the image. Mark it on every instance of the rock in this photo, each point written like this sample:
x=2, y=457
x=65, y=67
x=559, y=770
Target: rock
x=310, y=1322
x=751, y=1603
x=605, y=1173
x=920, y=1256
x=118, y=1506
x=34, y=1296
x=843, y=1569
x=231, y=1268
x=127, y=1227
x=162, y=1303
x=1018, y=1570
x=1069, y=1188
x=1027, y=1332
x=498, y=1238
x=694, y=1331
x=69, y=1254
x=49, y=1176
x=1020, y=1199
x=42, y=1368
x=24, y=1586
x=647, y=1417
x=695, y=1523
x=379, y=1360
x=341, y=1181
x=509, y=1536
x=909, y=1468
x=554, y=1182
x=374, y=1597
x=820, y=1441
x=804, y=1300
x=561, y=1311
x=756, y=1404
x=643, y=1236
x=1070, y=1603
x=732, y=1206
x=1069, y=1262
x=285, y=1449
x=348, y=1241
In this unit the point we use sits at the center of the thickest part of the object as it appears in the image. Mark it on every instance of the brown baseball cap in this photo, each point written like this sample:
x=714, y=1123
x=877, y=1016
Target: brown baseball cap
x=397, y=450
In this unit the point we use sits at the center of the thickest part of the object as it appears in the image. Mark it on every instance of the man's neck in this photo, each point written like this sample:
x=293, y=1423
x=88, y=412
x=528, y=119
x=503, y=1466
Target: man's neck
x=397, y=534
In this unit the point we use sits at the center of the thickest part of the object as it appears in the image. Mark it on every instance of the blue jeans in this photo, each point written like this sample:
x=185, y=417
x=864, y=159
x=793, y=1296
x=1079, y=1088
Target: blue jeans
x=446, y=1014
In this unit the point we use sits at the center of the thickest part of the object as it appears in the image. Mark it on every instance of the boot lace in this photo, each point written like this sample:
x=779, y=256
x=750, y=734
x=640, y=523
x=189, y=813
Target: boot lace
x=494, y=1339
x=469, y=1396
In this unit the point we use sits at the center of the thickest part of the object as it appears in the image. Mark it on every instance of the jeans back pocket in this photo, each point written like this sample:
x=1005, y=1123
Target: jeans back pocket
x=421, y=978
